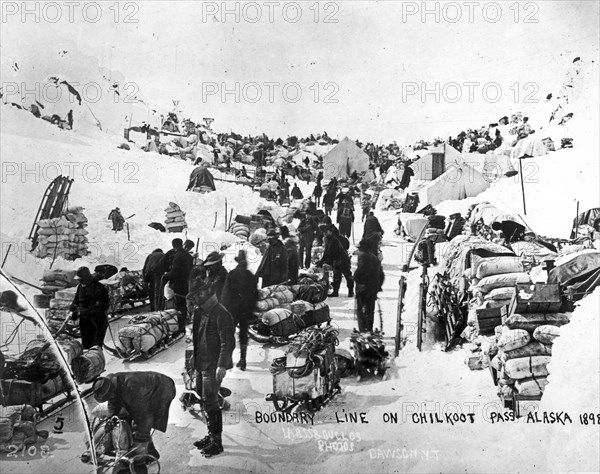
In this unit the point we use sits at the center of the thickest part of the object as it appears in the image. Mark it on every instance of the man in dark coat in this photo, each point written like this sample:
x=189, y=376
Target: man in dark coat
x=143, y=398
x=329, y=200
x=117, y=219
x=369, y=279
x=216, y=273
x=372, y=226
x=345, y=214
x=335, y=255
x=90, y=305
x=214, y=342
x=291, y=246
x=274, y=265
x=406, y=175
x=177, y=277
x=317, y=193
x=152, y=273
x=306, y=230
x=239, y=297
x=296, y=193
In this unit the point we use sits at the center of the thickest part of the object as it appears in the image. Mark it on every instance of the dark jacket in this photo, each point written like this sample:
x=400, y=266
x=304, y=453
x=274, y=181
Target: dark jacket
x=216, y=278
x=307, y=228
x=153, y=266
x=214, y=336
x=91, y=300
x=371, y=226
x=291, y=246
x=143, y=394
x=180, y=270
x=333, y=251
x=329, y=199
x=406, y=175
x=318, y=192
x=240, y=291
x=368, y=276
x=274, y=265
x=296, y=193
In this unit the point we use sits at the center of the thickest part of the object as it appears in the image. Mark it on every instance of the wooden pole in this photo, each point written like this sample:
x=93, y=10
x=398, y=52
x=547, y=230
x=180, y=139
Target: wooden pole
x=522, y=185
x=225, y=215
x=577, y=221
x=6, y=255
x=128, y=236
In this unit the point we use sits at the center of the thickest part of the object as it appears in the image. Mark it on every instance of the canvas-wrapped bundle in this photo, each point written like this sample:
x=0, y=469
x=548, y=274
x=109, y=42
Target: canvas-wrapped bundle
x=489, y=283
x=530, y=321
x=274, y=316
x=72, y=348
x=534, y=348
x=147, y=330
x=533, y=386
x=513, y=339
x=526, y=367
x=89, y=365
x=546, y=333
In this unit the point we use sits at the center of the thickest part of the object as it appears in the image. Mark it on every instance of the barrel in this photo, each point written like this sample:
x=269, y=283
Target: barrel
x=89, y=365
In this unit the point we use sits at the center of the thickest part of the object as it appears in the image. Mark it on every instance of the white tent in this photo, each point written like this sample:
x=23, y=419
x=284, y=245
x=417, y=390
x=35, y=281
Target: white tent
x=436, y=162
x=344, y=159
x=457, y=183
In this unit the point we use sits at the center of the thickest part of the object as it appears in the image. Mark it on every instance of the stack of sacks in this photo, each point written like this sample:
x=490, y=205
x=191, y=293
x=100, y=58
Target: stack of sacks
x=59, y=308
x=88, y=365
x=175, y=221
x=241, y=231
x=147, y=330
x=276, y=296
x=54, y=280
x=64, y=236
x=492, y=281
x=435, y=228
x=19, y=430
x=524, y=350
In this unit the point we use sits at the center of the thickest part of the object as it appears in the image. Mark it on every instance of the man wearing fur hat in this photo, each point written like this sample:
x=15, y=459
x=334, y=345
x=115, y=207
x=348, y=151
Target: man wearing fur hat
x=239, y=297
x=214, y=341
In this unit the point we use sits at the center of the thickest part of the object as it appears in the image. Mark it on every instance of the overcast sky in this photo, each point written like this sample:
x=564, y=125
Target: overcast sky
x=351, y=68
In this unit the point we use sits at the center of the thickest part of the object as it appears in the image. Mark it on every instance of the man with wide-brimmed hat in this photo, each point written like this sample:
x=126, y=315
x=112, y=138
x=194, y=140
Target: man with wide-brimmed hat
x=142, y=399
x=216, y=273
x=239, y=297
x=274, y=265
x=214, y=342
x=90, y=306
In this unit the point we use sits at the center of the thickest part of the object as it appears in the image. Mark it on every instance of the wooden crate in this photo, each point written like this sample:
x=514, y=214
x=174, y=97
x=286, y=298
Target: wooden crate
x=536, y=298
x=489, y=318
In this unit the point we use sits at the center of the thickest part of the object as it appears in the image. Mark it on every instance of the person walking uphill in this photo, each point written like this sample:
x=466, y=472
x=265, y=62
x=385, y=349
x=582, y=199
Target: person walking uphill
x=117, y=219
x=143, y=398
x=214, y=342
x=239, y=298
x=90, y=306
x=177, y=277
x=368, y=278
x=273, y=268
x=152, y=273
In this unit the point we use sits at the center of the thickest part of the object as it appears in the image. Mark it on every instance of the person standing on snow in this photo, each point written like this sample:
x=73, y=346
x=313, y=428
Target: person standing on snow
x=296, y=193
x=273, y=268
x=317, y=193
x=177, y=277
x=306, y=230
x=239, y=298
x=368, y=278
x=90, y=306
x=335, y=254
x=372, y=226
x=152, y=273
x=214, y=342
x=291, y=245
x=117, y=219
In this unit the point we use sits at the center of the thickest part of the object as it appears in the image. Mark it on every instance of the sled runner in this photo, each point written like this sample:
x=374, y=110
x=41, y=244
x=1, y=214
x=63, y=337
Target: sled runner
x=149, y=354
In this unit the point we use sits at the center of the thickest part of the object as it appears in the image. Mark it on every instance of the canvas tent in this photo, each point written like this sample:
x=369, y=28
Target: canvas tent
x=490, y=165
x=436, y=162
x=344, y=159
x=457, y=183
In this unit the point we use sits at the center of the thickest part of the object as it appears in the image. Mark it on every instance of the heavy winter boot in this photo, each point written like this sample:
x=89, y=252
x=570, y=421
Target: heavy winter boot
x=215, y=447
x=350, y=288
x=242, y=363
x=210, y=422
